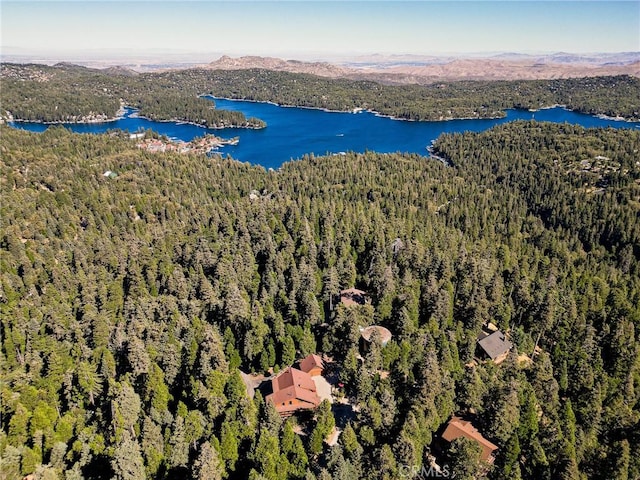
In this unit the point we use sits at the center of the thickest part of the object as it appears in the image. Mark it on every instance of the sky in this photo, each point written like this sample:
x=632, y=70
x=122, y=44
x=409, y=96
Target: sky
x=319, y=29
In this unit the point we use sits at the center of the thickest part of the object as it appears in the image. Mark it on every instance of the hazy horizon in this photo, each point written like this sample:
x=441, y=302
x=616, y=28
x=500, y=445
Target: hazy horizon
x=148, y=61
x=315, y=30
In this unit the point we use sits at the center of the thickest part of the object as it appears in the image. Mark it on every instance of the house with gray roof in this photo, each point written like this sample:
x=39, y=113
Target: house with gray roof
x=496, y=346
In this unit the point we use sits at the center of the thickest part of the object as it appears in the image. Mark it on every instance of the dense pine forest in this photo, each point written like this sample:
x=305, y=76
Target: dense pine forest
x=70, y=93
x=131, y=304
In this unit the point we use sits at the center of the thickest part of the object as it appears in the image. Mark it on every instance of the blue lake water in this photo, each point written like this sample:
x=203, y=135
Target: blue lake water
x=292, y=132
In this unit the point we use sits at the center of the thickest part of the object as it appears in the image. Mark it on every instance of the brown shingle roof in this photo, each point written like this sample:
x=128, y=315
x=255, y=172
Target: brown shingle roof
x=495, y=344
x=293, y=377
x=294, y=392
x=311, y=361
x=293, y=384
x=457, y=427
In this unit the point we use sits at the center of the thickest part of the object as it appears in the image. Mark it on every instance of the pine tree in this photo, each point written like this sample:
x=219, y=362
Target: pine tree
x=127, y=461
x=207, y=465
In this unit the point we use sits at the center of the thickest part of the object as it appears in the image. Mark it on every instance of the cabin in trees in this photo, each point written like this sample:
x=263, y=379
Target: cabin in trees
x=457, y=427
x=293, y=390
x=495, y=346
x=353, y=297
x=312, y=364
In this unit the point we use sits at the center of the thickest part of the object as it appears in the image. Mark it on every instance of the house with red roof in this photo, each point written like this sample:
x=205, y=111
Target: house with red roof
x=312, y=364
x=457, y=427
x=293, y=390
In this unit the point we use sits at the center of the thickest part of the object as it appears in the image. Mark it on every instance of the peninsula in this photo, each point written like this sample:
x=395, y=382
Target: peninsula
x=199, y=145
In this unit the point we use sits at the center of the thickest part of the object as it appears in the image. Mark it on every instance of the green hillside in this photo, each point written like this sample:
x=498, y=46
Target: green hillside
x=130, y=304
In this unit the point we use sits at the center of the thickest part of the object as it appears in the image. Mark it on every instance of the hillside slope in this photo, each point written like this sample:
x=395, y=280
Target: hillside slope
x=130, y=304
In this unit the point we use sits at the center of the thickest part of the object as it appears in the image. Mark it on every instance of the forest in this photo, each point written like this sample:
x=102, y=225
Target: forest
x=70, y=93
x=130, y=305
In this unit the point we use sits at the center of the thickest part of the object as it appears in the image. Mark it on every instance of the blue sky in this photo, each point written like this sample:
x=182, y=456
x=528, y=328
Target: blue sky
x=321, y=29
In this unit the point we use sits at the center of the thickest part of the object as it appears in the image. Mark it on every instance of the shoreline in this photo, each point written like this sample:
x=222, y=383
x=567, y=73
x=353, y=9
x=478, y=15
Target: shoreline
x=185, y=122
x=136, y=114
x=557, y=105
x=432, y=155
x=67, y=122
x=357, y=110
x=126, y=111
x=121, y=114
x=602, y=116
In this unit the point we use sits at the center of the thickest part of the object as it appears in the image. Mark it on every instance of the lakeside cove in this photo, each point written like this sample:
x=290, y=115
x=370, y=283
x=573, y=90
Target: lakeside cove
x=293, y=132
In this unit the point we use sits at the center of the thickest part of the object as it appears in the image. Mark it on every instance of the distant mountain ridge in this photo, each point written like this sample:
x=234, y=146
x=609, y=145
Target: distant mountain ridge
x=118, y=70
x=397, y=68
x=428, y=69
x=621, y=58
x=322, y=69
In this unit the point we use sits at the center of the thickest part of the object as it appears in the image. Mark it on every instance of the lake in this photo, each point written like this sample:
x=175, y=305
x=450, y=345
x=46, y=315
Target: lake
x=293, y=132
